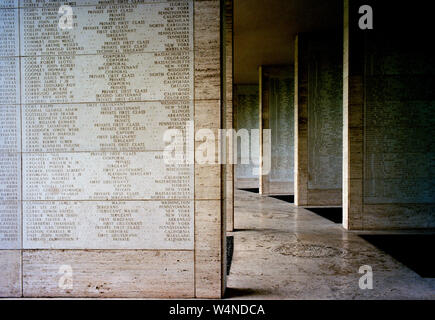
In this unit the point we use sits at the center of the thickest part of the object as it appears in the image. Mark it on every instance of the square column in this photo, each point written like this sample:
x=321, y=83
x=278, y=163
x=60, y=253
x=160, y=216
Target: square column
x=353, y=119
x=229, y=118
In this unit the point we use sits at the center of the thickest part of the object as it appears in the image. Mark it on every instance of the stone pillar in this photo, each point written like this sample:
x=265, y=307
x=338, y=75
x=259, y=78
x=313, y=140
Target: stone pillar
x=228, y=88
x=318, y=119
x=301, y=124
x=276, y=114
x=263, y=114
x=210, y=245
x=10, y=153
x=388, y=107
x=353, y=119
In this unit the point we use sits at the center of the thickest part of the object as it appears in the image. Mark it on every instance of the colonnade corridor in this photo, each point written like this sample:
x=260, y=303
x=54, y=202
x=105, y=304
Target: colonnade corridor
x=337, y=200
x=285, y=252
x=217, y=149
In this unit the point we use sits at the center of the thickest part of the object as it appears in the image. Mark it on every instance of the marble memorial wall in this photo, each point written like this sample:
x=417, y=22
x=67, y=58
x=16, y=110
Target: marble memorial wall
x=388, y=106
x=281, y=123
x=277, y=115
x=318, y=119
x=83, y=115
x=246, y=115
x=399, y=124
x=325, y=114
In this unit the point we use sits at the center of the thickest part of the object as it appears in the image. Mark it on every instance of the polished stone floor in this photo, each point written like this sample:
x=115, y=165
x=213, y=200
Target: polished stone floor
x=285, y=252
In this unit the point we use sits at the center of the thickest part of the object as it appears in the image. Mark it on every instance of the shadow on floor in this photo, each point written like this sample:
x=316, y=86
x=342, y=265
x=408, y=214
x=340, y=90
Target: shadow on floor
x=414, y=251
x=332, y=214
x=255, y=229
x=286, y=198
x=230, y=251
x=246, y=292
x=253, y=190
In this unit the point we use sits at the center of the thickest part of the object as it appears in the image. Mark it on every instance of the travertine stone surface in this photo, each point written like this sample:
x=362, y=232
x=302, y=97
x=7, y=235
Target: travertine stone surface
x=103, y=224
x=277, y=110
x=301, y=123
x=87, y=89
x=208, y=182
x=10, y=152
x=108, y=273
x=101, y=126
x=325, y=111
x=207, y=50
x=81, y=148
x=10, y=176
x=10, y=228
x=247, y=118
x=8, y=3
x=353, y=120
x=388, y=100
x=93, y=176
x=209, y=228
x=208, y=258
x=93, y=126
x=287, y=252
x=399, y=122
x=228, y=110
x=10, y=273
x=319, y=118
